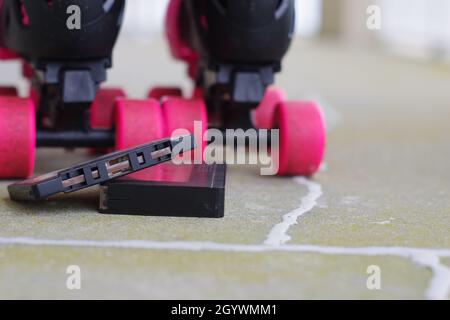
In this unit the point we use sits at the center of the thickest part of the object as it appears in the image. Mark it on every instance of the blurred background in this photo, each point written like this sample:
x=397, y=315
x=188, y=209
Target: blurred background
x=414, y=29
x=417, y=31
x=406, y=25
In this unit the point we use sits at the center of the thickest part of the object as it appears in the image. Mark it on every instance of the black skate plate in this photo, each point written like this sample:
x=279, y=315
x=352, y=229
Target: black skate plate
x=100, y=170
x=187, y=190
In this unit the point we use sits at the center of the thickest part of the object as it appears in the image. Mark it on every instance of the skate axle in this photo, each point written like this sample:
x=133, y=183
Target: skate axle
x=75, y=139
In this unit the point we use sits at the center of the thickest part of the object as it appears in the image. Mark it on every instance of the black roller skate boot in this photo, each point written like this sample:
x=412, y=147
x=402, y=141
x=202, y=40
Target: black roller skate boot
x=67, y=47
x=233, y=50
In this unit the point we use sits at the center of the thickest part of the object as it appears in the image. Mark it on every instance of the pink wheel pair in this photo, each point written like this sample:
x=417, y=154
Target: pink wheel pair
x=140, y=121
x=18, y=128
x=302, y=132
x=301, y=125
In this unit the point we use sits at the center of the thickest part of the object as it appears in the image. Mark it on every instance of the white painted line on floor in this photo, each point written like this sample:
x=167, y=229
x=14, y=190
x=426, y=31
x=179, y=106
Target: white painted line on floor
x=278, y=235
x=229, y=247
x=439, y=286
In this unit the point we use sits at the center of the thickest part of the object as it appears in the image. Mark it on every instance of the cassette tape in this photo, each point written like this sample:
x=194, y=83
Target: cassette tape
x=169, y=190
x=100, y=170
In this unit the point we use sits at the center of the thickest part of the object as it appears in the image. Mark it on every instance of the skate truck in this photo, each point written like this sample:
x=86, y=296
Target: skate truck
x=232, y=48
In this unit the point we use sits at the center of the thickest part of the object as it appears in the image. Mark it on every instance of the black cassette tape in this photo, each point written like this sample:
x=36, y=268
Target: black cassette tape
x=101, y=170
x=196, y=190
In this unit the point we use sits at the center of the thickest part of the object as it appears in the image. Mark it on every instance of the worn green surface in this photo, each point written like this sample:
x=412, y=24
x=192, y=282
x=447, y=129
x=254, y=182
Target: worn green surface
x=112, y=273
x=386, y=183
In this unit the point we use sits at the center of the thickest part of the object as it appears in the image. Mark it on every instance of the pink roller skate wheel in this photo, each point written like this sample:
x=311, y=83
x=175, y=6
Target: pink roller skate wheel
x=265, y=113
x=102, y=109
x=180, y=113
x=17, y=137
x=302, y=138
x=137, y=122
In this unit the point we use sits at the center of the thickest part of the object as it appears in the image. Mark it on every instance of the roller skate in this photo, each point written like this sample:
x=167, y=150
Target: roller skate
x=233, y=49
x=65, y=66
